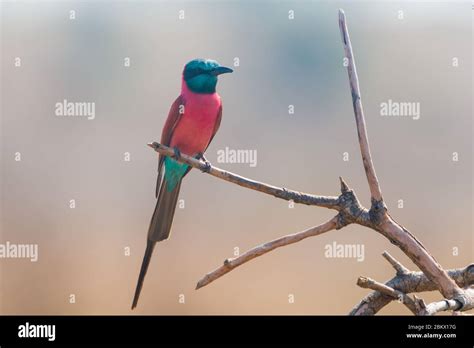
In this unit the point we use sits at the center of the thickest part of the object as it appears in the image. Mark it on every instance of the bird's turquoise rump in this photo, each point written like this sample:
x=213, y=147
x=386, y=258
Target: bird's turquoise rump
x=174, y=172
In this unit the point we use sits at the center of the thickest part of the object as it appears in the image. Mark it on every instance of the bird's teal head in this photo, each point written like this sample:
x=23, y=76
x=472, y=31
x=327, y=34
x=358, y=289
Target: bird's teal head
x=200, y=75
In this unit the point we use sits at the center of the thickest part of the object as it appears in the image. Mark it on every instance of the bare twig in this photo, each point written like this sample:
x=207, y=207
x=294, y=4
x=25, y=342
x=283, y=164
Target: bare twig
x=397, y=265
x=260, y=250
x=369, y=283
x=375, y=191
x=279, y=192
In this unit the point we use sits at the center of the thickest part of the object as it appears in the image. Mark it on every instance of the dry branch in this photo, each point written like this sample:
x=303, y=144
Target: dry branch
x=383, y=222
x=279, y=192
x=440, y=306
x=230, y=264
x=375, y=191
x=368, y=283
x=447, y=305
x=433, y=276
x=395, y=264
x=409, y=282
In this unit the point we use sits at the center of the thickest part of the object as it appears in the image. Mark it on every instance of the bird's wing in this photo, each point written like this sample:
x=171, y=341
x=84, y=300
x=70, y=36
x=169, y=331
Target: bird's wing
x=174, y=116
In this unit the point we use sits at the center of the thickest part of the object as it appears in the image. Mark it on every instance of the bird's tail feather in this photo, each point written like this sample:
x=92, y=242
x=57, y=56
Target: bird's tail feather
x=150, y=245
x=160, y=227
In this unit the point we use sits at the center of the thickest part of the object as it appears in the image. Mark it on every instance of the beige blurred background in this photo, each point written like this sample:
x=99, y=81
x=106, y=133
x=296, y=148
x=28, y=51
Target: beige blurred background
x=282, y=62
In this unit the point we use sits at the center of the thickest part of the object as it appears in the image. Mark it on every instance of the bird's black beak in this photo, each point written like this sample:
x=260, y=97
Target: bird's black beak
x=221, y=70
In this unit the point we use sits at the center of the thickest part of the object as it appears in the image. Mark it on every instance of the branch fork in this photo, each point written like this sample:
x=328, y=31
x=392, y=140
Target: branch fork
x=452, y=284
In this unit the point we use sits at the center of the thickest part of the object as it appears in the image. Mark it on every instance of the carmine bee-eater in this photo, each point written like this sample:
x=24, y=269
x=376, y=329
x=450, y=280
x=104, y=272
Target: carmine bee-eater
x=192, y=122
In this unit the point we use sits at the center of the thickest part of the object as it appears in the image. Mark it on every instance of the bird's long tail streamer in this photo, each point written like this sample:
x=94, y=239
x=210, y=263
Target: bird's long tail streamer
x=160, y=227
x=150, y=245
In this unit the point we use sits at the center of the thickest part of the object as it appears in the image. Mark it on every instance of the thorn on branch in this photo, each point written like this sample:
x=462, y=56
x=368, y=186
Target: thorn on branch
x=344, y=187
x=401, y=270
x=350, y=208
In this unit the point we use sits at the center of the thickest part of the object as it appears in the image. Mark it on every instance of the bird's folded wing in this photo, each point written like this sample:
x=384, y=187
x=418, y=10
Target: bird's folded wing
x=174, y=116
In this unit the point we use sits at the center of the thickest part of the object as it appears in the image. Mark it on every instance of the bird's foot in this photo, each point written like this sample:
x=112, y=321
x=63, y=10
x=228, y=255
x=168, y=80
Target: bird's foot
x=177, y=153
x=207, y=167
x=207, y=164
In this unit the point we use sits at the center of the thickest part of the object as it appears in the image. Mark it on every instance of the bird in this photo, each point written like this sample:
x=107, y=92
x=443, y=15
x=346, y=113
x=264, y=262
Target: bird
x=193, y=121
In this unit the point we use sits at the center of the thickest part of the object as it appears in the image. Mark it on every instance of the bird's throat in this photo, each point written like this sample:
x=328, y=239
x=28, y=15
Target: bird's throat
x=202, y=84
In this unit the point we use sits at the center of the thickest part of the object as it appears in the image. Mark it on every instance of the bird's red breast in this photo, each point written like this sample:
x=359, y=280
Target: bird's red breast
x=197, y=124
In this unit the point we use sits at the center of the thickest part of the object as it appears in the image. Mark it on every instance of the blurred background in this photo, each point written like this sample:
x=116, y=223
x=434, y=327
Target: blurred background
x=282, y=62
